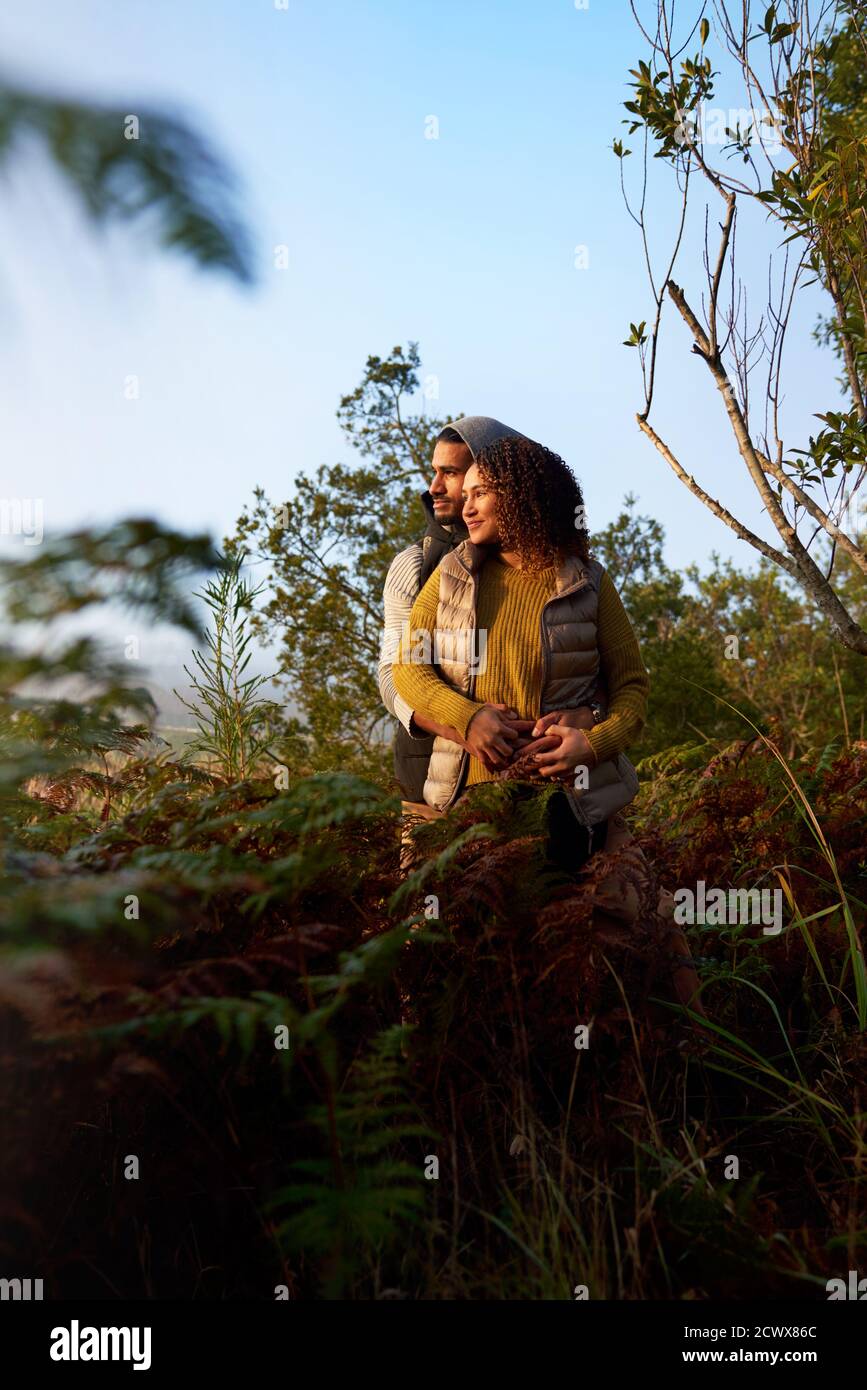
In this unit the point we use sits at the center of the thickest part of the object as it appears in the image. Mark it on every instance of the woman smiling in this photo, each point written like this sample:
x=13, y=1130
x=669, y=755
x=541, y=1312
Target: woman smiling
x=556, y=637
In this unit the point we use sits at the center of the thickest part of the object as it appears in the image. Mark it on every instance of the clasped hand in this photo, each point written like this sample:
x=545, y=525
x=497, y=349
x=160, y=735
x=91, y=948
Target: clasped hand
x=557, y=742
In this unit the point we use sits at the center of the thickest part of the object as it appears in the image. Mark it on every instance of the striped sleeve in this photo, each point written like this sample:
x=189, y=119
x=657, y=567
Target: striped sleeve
x=399, y=594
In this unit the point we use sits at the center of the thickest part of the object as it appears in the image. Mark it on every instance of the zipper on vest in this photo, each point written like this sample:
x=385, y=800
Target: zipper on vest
x=465, y=757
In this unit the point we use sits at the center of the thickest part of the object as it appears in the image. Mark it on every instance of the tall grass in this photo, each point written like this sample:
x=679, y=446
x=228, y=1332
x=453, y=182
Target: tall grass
x=163, y=919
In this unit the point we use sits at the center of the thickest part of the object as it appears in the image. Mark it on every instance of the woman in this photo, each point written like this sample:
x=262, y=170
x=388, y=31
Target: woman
x=555, y=637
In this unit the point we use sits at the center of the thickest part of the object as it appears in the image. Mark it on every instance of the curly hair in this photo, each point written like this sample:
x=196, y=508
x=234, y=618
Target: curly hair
x=540, y=505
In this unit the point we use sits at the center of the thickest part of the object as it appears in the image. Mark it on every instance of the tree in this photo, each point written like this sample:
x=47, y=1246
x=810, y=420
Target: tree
x=728, y=637
x=66, y=700
x=846, y=104
x=680, y=649
x=143, y=165
x=785, y=667
x=802, y=153
x=327, y=550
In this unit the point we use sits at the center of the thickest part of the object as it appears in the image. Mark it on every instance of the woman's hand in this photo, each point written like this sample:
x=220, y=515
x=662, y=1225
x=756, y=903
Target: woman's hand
x=493, y=733
x=580, y=718
x=541, y=739
x=573, y=750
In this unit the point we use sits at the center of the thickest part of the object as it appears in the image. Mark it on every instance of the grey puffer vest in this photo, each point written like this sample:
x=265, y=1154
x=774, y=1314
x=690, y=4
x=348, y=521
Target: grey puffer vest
x=570, y=674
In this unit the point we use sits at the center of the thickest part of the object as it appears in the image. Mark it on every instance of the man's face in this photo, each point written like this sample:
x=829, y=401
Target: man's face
x=450, y=463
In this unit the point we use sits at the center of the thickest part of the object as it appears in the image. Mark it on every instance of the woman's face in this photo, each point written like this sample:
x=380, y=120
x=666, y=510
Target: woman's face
x=480, y=509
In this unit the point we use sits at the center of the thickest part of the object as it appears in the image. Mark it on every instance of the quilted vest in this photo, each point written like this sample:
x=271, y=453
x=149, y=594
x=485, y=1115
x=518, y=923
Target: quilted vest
x=570, y=674
x=412, y=755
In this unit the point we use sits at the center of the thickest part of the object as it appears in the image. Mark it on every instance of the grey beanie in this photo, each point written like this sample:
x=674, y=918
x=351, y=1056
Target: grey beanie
x=479, y=430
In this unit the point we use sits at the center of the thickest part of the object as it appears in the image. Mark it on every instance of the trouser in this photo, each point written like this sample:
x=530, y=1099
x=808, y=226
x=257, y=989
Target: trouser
x=570, y=842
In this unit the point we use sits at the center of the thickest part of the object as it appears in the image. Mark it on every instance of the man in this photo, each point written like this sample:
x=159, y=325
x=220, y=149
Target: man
x=455, y=450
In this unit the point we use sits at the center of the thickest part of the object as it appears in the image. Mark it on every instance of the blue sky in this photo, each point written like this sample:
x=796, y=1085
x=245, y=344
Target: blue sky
x=464, y=243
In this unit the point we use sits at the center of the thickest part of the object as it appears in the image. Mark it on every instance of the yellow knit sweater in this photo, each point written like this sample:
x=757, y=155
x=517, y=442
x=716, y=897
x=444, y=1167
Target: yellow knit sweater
x=510, y=604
